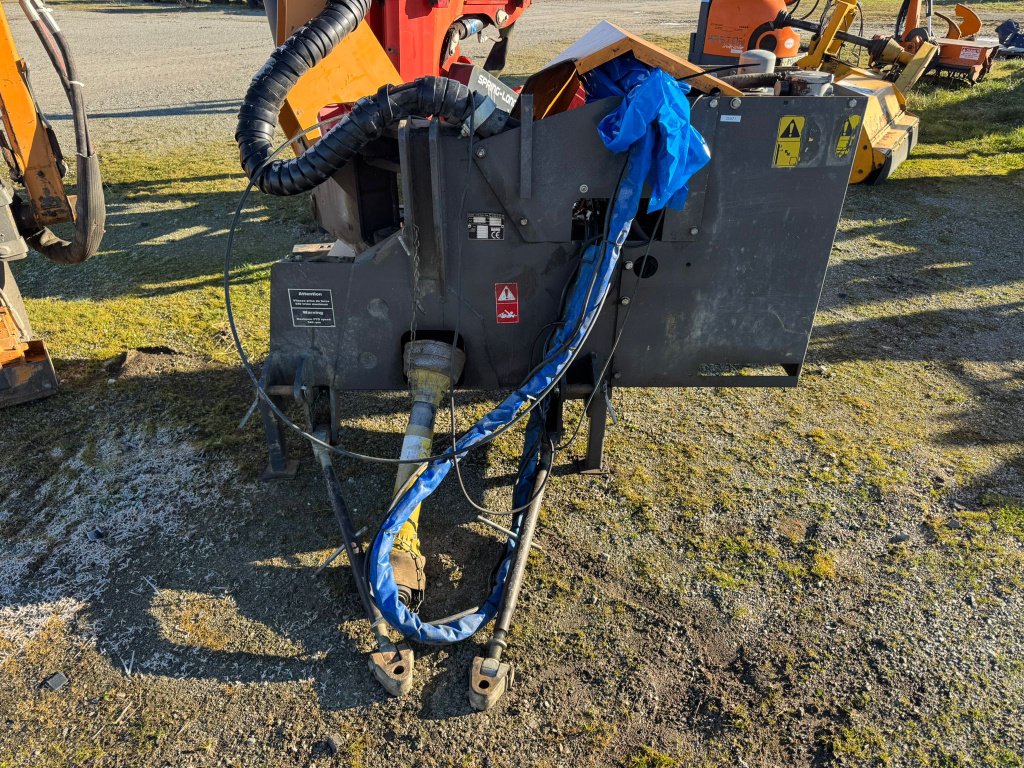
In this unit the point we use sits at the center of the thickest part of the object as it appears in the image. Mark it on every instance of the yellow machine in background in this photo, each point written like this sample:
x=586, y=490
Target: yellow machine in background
x=889, y=132
x=34, y=159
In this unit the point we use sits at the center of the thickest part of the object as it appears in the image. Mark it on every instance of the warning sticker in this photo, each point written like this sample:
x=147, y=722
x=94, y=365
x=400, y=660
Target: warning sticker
x=311, y=307
x=486, y=226
x=506, y=303
x=848, y=136
x=970, y=54
x=789, y=141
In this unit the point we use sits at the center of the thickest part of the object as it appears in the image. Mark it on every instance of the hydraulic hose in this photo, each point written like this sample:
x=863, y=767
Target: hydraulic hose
x=752, y=79
x=90, y=220
x=257, y=118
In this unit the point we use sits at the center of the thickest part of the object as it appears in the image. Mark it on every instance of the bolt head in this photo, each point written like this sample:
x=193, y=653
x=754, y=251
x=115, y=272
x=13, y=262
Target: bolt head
x=735, y=103
x=481, y=152
x=851, y=103
x=694, y=231
x=714, y=104
x=501, y=17
x=524, y=221
x=584, y=189
x=617, y=375
x=625, y=301
x=628, y=265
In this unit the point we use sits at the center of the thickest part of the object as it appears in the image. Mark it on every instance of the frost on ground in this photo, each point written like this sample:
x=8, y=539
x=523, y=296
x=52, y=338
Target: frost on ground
x=100, y=504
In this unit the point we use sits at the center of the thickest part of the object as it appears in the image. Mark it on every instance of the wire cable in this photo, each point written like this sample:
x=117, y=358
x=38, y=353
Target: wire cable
x=618, y=337
x=810, y=12
x=603, y=243
x=266, y=398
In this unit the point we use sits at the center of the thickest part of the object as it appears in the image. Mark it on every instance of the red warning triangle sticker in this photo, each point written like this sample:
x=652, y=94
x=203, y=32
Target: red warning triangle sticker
x=507, y=295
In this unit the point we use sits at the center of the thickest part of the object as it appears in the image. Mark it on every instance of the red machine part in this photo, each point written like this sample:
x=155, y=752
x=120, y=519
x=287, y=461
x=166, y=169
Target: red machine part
x=413, y=32
x=400, y=41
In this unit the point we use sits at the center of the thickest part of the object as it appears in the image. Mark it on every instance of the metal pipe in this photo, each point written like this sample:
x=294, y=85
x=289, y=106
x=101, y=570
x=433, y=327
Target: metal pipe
x=352, y=547
x=514, y=584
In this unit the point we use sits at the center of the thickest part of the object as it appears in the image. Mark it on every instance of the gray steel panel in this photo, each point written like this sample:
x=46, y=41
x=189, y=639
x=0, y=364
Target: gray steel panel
x=741, y=291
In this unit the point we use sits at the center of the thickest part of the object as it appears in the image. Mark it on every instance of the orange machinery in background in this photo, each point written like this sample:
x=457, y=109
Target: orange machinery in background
x=727, y=28
x=34, y=159
x=961, y=57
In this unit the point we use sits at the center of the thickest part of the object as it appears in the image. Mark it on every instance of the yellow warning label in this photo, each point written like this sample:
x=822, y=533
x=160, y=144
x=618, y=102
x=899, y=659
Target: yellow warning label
x=789, y=141
x=848, y=136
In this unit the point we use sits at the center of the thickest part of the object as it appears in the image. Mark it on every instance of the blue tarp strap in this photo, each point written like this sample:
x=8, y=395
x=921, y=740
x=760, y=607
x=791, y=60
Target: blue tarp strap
x=653, y=124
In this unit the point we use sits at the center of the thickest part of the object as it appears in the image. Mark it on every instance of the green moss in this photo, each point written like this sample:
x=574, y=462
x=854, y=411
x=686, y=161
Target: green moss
x=650, y=758
x=1006, y=514
x=824, y=566
x=861, y=742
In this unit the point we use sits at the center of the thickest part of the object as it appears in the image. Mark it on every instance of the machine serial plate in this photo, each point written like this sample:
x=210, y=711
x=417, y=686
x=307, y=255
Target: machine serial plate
x=486, y=226
x=311, y=307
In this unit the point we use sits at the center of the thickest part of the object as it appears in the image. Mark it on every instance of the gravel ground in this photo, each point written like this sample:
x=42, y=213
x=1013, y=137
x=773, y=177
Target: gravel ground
x=186, y=70
x=827, y=576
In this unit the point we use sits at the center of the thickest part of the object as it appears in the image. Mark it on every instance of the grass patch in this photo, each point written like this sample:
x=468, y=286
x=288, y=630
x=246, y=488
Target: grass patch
x=824, y=566
x=859, y=742
x=158, y=278
x=970, y=132
x=884, y=11
x=650, y=758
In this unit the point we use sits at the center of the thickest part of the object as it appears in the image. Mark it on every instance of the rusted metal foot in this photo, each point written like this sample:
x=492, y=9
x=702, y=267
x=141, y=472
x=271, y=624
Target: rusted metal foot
x=393, y=668
x=489, y=679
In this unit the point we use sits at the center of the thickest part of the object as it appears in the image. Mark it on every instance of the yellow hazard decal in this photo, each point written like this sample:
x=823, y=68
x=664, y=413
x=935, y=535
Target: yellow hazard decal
x=848, y=136
x=789, y=140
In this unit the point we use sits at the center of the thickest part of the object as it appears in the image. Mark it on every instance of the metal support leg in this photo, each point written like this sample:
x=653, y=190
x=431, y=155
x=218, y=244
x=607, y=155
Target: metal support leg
x=597, y=416
x=279, y=466
x=391, y=664
x=490, y=677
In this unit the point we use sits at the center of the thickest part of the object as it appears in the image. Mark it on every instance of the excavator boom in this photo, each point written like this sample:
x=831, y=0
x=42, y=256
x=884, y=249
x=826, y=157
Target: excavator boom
x=34, y=157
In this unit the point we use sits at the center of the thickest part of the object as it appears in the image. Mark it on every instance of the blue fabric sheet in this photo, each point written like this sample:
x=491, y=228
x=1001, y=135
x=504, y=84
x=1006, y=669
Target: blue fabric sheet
x=652, y=124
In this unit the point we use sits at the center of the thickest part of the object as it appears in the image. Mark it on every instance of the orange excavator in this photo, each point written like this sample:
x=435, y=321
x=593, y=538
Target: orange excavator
x=34, y=158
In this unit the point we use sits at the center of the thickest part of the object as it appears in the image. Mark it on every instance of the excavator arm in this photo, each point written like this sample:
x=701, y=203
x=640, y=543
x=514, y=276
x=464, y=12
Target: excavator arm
x=30, y=149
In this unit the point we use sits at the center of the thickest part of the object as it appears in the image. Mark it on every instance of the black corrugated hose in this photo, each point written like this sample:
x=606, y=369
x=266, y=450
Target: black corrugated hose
x=257, y=119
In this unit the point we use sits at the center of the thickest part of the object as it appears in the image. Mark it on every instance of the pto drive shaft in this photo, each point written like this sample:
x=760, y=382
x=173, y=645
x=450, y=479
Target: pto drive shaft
x=431, y=367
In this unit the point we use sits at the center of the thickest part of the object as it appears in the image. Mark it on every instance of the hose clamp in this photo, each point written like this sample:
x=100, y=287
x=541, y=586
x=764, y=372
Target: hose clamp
x=483, y=113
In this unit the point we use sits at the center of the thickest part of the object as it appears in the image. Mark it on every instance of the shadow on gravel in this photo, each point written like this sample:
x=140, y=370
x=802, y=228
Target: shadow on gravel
x=167, y=233
x=938, y=298
x=195, y=109
x=222, y=9
x=228, y=589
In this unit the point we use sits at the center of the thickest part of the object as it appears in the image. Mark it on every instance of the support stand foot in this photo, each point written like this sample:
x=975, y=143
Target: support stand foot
x=291, y=467
x=393, y=669
x=582, y=468
x=489, y=679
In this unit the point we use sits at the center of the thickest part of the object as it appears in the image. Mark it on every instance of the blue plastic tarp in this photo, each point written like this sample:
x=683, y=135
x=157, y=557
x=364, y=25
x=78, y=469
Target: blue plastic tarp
x=652, y=124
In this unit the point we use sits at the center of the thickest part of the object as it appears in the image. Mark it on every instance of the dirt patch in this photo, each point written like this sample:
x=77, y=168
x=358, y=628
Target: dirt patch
x=827, y=576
